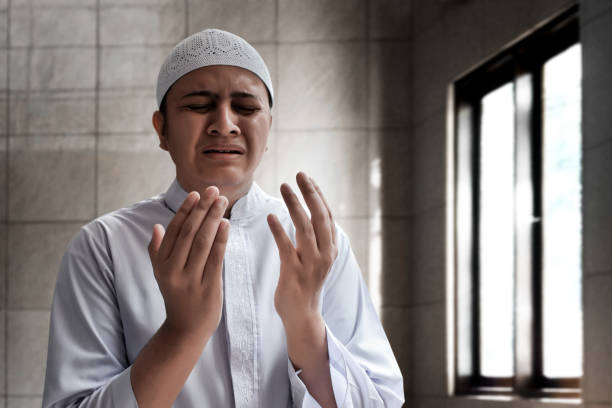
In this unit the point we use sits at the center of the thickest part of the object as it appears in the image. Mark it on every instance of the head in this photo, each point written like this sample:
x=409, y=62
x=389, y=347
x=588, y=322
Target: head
x=214, y=96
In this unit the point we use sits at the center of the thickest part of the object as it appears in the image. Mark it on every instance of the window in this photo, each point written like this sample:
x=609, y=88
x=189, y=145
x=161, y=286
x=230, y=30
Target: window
x=518, y=218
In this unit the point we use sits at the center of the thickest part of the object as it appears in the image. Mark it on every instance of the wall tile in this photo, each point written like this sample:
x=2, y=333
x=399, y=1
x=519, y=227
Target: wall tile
x=321, y=86
x=428, y=350
x=596, y=109
x=254, y=20
x=431, y=74
x=598, y=338
x=4, y=27
x=35, y=252
x=425, y=13
x=131, y=67
x=591, y=9
x=143, y=25
x=3, y=354
x=336, y=163
x=4, y=124
x=131, y=168
x=358, y=231
x=321, y=20
x=20, y=26
x=23, y=402
x=389, y=84
x=127, y=111
x=3, y=69
x=428, y=270
x=81, y=30
x=18, y=69
x=398, y=327
x=38, y=165
x=3, y=270
x=390, y=18
x=59, y=112
x=28, y=334
x=63, y=68
x=597, y=103
x=429, y=163
x=3, y=177
x=395, y=261
x=504, y=22
x=53, y=3
x=597, y=205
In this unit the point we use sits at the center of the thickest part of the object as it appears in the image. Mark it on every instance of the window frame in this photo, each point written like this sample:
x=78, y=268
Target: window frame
x=521, y=63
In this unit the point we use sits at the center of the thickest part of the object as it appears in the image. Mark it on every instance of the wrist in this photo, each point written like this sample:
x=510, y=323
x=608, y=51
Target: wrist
x=305, y=339
x=191, y=338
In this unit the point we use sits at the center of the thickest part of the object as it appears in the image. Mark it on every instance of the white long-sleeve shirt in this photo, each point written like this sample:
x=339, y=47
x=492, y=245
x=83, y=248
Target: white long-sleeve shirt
x=107, y=305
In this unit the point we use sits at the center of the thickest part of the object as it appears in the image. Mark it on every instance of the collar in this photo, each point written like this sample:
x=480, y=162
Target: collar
x=245, y=206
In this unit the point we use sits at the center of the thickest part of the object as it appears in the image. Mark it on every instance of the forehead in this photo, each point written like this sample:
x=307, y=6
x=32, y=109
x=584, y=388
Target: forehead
x=220, y=79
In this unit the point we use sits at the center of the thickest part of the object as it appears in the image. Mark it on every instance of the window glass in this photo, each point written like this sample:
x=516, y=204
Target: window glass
x=496, y=233
x=562, y=223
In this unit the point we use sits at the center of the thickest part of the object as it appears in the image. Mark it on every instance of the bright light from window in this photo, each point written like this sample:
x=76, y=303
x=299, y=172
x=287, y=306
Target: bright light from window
x=562, y=222
x=496, y=233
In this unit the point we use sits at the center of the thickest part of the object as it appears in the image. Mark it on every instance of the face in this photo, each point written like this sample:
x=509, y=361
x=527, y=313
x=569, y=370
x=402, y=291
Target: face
x=217, y=123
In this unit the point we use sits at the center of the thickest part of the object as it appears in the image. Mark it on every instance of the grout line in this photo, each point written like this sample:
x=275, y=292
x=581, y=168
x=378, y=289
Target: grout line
x=186, y=32
x=6, y=195
x=97, y=110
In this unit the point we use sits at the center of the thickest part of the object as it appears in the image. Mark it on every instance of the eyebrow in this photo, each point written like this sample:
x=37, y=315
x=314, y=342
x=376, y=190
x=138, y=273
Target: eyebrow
x=210, y=94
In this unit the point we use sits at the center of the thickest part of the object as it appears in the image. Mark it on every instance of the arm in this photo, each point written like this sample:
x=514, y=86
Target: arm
x=87, y=359
x=347, y=356
x=187, y=262
x=303, y=271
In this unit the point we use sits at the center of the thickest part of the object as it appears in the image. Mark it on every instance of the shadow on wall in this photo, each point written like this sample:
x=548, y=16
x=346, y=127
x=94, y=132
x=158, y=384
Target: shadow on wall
x=391, y=176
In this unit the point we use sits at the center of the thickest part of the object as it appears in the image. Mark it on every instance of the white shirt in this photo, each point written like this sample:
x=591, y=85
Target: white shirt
x=107, y=305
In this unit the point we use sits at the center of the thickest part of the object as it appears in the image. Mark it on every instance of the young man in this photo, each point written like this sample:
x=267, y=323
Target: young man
x=224, y=296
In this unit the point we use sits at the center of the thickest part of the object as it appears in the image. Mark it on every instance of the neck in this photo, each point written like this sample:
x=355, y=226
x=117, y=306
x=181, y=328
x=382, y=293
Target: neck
x=233, y=192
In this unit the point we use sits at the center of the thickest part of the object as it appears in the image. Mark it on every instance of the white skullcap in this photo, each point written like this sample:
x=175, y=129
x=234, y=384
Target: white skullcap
x=210, y=47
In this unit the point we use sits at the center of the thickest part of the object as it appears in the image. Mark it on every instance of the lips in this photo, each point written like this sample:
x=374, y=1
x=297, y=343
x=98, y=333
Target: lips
x=223, y=149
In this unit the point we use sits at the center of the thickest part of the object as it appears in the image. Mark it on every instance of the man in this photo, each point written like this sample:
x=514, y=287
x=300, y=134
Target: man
x=240, y=300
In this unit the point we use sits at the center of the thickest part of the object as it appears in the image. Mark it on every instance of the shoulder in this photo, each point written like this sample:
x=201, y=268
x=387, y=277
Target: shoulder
x=98, y=232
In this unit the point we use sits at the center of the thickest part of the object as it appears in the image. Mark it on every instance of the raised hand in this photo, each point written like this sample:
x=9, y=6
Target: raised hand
x=304, y=266
x=187, y=261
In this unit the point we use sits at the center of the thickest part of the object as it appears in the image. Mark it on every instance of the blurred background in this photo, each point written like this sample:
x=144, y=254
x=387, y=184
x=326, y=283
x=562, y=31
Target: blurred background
x=361, y=105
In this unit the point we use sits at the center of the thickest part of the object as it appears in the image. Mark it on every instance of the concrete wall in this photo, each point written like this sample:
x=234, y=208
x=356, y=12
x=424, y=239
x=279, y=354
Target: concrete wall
x=77, y=81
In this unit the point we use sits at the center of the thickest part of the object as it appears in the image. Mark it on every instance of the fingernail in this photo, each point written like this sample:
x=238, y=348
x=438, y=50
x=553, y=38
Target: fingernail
x=193, y=196
x=211, y=191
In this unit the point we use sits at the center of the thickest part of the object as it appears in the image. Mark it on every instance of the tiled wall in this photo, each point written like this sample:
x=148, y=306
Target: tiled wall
x=449, y=37
x=77, y=81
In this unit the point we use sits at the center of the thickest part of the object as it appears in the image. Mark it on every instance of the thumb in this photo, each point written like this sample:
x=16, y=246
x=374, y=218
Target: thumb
x=156, y=239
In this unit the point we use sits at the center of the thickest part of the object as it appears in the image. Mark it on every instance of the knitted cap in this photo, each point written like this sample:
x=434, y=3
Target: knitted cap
x=210, y=47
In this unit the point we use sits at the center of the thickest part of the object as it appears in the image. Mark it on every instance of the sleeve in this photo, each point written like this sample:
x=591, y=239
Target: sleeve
x=363, y=369
x=86, y=361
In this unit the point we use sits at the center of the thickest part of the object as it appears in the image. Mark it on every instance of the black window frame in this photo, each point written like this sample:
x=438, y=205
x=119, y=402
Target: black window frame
x=521, y=63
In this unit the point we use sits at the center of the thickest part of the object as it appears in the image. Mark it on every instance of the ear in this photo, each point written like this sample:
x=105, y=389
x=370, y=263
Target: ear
x=158, y=124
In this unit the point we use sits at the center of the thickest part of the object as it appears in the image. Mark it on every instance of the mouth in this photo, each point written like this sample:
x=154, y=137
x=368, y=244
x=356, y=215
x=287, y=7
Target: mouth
x=223, y=152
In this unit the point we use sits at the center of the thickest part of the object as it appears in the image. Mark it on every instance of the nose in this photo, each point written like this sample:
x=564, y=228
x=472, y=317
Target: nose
x=223, y=121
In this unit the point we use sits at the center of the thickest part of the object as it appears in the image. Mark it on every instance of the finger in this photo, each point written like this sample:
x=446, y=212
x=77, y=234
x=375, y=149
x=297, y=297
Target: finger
x=286, y=249
x=156, y=239
x=190, y=227
x=331, y=217
x=213, y=270
x=319, y=215
x=176, y=223
x=203, y=240
x=304, y=233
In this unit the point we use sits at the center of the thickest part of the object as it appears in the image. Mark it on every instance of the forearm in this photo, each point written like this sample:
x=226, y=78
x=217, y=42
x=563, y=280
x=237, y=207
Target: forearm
x=163, y=366
x=307, y=348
